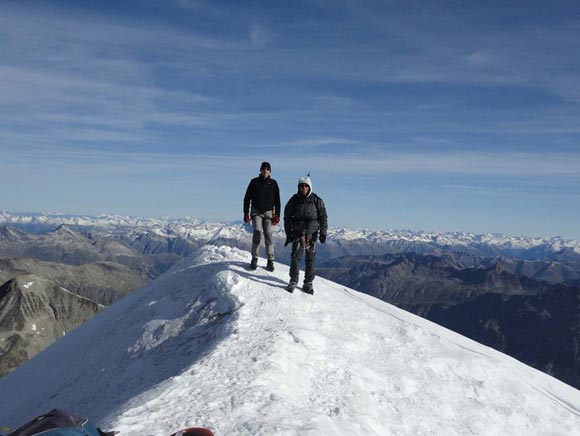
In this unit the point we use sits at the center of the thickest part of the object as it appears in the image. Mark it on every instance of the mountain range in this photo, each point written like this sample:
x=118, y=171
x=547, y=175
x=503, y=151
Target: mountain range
x=438, y=276
x=342, y=241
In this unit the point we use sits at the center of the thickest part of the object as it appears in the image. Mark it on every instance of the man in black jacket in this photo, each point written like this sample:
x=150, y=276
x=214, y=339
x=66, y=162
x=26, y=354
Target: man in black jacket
x=305, y=222
x=263, y=195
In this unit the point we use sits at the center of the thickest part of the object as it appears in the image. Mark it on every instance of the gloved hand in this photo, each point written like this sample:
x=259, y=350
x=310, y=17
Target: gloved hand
x=276, y=220
x=247, y=218
x=322, y=238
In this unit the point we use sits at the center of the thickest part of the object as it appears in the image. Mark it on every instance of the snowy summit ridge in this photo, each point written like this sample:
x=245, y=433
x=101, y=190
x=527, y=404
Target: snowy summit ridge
x=213, y=344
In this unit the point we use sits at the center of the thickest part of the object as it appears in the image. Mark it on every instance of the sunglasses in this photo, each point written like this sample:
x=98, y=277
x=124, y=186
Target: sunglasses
x=303, y=185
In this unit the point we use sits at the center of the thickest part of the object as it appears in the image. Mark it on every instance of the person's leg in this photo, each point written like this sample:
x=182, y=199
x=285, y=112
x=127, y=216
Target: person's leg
x=267, y=226
x=257, y=222
x=296, y=256
x=310, y=272
x=297, y=252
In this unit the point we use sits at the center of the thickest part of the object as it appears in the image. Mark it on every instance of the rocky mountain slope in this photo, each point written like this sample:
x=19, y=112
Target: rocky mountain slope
x=420, y=280
x=35, y=312
x=62, y=245
x=82, y=266
x=102, y=282
x=144, y=252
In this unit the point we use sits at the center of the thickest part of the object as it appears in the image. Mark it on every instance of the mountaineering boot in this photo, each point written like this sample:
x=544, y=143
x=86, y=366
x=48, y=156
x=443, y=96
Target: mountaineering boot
x=254, y=263
x=270, y=265
x=307, y=288
x=291, y=286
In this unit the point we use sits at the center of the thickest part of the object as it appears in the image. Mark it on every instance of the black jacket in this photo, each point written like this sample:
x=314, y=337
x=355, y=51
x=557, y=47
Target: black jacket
x=263, y=194
x=305, y=215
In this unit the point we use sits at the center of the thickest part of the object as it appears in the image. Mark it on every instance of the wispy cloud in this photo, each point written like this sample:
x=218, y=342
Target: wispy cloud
x=116, y=71
x=63, y=69
x=460, y=163
x=374, y=163
x=260, y=35
x=319, y=142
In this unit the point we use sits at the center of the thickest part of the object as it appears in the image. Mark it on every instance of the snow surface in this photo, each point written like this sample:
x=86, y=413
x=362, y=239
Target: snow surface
x=213, y=344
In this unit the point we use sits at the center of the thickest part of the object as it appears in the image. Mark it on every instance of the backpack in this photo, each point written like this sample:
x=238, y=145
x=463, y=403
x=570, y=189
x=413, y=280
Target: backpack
x=59, y=423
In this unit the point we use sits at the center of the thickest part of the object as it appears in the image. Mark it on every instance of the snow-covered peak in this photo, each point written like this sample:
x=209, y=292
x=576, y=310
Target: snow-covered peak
x=111, y=221
x=211, y=343
x=197, y=229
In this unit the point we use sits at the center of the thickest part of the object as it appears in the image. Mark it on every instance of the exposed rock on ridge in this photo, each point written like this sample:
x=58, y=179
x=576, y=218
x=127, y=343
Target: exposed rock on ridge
x=35, y=312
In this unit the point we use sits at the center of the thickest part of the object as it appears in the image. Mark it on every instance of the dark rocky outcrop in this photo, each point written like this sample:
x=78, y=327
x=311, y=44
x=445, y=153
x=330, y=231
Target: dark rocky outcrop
x=102, y=282
x=35, y=312
x=416, y=281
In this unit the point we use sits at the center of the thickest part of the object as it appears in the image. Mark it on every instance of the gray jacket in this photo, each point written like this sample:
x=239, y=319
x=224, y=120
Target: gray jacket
x=305, y=215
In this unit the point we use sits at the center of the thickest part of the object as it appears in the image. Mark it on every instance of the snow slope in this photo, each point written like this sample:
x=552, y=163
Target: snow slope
x=211, y=343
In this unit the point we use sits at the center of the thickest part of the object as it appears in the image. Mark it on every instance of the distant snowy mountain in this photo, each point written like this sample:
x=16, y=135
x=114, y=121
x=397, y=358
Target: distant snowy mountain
x=211, y=343
x=341, y=241
x=52, y=220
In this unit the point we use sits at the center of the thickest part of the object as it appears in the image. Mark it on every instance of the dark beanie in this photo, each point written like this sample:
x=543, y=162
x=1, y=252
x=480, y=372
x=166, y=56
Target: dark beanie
x=265, y=165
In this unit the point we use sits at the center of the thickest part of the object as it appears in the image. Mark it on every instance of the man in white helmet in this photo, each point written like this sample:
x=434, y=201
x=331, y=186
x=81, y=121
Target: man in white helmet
x=305, y=223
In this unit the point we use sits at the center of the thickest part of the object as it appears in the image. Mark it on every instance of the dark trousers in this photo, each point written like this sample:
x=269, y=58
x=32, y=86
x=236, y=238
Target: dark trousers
x=297, y=252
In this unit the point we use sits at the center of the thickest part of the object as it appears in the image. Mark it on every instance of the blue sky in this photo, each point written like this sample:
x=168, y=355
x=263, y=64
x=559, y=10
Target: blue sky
x=444, y=116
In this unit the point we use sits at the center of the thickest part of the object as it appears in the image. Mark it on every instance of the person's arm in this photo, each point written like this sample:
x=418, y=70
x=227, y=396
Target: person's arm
x=248, y=197
x=277, y=200
x=322, y=219
x=288, y=219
